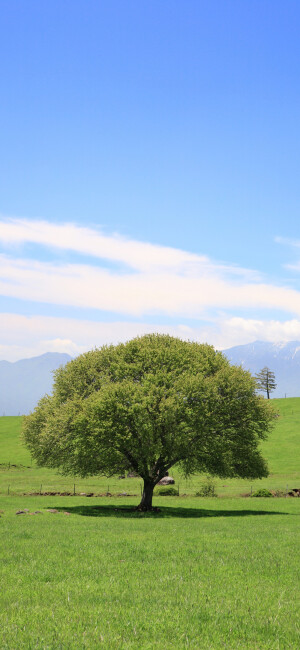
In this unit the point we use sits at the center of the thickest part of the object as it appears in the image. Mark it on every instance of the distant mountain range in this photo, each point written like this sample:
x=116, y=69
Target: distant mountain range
x=24, y=382
x=282, y=358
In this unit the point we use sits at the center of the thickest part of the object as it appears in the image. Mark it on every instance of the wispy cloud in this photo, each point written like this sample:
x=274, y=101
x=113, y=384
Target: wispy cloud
x=143, y=280
x=294, y=244
x=141, y=256
x=169, y=293
x=135, y=254
x=159, y=280
x=288, y=241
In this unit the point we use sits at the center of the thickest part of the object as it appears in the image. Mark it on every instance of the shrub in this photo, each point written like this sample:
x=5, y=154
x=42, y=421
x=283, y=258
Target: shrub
x=208, y=489
x=278, y=493
x=167, y=492
x=262, y=492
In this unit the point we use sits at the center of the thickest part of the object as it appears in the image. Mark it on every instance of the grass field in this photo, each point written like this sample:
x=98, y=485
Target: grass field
x=202, y=573
x=206, y=573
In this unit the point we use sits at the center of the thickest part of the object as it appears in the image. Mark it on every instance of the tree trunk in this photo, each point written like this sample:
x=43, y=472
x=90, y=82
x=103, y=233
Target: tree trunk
x=146, y=501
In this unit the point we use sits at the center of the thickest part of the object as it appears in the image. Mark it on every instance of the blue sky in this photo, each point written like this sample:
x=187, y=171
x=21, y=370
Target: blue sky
x=149, y=172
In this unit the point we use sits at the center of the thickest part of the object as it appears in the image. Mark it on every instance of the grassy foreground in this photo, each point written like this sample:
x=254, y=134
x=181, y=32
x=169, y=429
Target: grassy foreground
x=203, y=573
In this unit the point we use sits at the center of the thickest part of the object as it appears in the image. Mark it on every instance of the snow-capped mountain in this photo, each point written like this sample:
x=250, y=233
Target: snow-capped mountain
x=282, y=358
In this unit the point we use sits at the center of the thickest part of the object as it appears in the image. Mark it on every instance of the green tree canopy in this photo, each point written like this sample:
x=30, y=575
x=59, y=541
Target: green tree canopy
x=265, y=380
x=147, y=405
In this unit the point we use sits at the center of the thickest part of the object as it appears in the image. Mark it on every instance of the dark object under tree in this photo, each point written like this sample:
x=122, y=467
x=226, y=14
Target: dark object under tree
x=147, y=405
x=265, y=380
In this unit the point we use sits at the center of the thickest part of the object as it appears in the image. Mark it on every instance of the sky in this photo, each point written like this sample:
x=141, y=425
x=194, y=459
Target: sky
x=149, y=172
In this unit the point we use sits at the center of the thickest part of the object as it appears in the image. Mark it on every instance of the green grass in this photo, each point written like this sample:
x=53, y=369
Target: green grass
x=11, y=448
x=283, y=446
x=202, y=573
x=282, y=451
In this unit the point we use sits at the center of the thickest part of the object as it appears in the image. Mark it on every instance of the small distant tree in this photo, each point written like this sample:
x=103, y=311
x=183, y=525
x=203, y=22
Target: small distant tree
x=265, y=380
x=147, y=405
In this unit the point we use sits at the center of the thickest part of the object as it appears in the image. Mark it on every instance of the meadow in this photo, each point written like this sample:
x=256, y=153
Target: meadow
x=201, y=573
x=209, y=573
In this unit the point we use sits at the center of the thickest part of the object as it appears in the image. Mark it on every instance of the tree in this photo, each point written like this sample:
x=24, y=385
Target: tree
x=265, y=380
x=147, y=405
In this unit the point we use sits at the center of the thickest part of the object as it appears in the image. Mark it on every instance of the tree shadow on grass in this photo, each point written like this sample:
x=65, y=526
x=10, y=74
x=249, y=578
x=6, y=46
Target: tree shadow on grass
x=164, y=512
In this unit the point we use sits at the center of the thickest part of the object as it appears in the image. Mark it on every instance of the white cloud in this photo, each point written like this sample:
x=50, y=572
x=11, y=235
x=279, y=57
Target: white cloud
x=237, y=331
x=166, y=292
x=135, y=254
x=157, y=280
x=24, y=336
x=190, y=290
x=141, y=256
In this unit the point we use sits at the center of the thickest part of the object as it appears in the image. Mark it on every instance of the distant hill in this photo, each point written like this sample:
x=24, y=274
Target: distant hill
x=24, y=382
x=282, y=358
